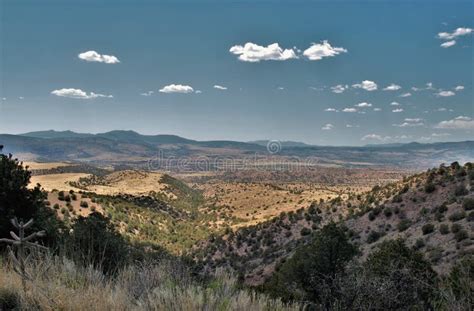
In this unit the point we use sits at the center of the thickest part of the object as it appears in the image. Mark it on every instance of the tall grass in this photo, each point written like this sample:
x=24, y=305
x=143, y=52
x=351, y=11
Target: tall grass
x=58, y=284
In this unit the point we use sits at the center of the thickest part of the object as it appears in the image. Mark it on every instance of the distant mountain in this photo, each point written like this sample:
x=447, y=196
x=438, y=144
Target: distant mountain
x=286, y=144
x=129, y=147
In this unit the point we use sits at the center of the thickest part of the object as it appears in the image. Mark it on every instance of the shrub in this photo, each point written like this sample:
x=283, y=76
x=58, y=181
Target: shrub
x=457, y=216
x=427, y=228
x=387, y=212
x=470, y=216
x=405, y=271
x=460, y=190
x=456, y=228
x=468, y=204
x=404, y=224
x=461, y=235
x=94, y=241
x=373, y=236
x=312, y=270
x=84, y=204
x=305, y=231
x=429, y=187
x=419, y=244
x=444, y=229
x=56, y=206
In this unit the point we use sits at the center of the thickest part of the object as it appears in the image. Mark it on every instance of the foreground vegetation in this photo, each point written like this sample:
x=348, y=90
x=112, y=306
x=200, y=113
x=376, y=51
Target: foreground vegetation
x=90, y=265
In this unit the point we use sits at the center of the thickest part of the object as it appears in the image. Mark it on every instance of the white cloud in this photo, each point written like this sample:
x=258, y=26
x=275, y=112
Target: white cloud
x=349, y=110
x=331, y=109
x=177, y=88
x=255, y=53
x=441, y=109
x=21, y=98
x=445, y=93
x=78, y=94
x=4, y=98
x=459, y=88
x=397, y=110
x=198, y=92
x=220, y=87
x=458, y=123
x=413, y=119
x=327, y=127
x=366, y=85
x=462, y=31
x=448, y=44
x=394, y=104
x=376, y=137
x=149, y=93
x=377, y=109
x=338, y=89
x=405, y=95
x=351, y=125
x=363, y=105
x=281, y=88
x=409, y=124
x=392, y=87
x=440, y=134
x=93, y=56
x=319, y=50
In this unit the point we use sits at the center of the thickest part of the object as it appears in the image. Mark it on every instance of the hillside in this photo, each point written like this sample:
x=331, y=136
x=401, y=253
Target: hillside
x=432, y=211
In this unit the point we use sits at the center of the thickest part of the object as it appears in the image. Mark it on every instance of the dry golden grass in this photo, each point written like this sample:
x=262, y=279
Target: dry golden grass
x=57, y=181
x=58, y=284
x=45, y=165
x=257, y=202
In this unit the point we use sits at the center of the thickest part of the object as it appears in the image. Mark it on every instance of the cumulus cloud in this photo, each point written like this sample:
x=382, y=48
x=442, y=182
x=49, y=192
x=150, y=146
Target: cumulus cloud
x=93, y=56
x=78, y=94
x=177, y=88
x=377, y=109
x=445, y=93
x=327, y=127
x=338, y=89
x=254, y=53
x=198, y=91
x=318, y=51
x=392, y=87
x=410, y=123
x=394, y=104
x=398, y=110
x=376, y=137
x=448, y=44
x=149, y=93
x=363, y=105
x=458, y=123
x=331, y=109
x=459, y=88
x=220, y=87
x=349, y=110
x=366, y=85
x=405, y=95
x=462, y=31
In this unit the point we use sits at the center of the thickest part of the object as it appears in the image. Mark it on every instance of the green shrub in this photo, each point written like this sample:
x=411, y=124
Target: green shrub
x=468, y=204
x=373, y=236
x=444, y=229
x=429, y=187
x=314, y=267
x=387, y=212
x=305, y=231
x=427, y=228
x=455, y=228
x=84, y=204
x=56, y=206
x=461, y=235
x=460, y=190
x=404, y=224
x=457, y=216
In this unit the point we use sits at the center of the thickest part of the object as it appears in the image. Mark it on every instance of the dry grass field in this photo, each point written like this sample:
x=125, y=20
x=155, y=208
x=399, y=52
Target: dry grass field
x=57, y=181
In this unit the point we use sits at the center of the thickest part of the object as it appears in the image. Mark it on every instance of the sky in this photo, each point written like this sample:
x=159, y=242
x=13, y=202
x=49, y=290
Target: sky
x=320, y=72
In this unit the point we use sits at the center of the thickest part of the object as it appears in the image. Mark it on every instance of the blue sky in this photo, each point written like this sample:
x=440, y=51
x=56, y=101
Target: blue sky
x=303, y=89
